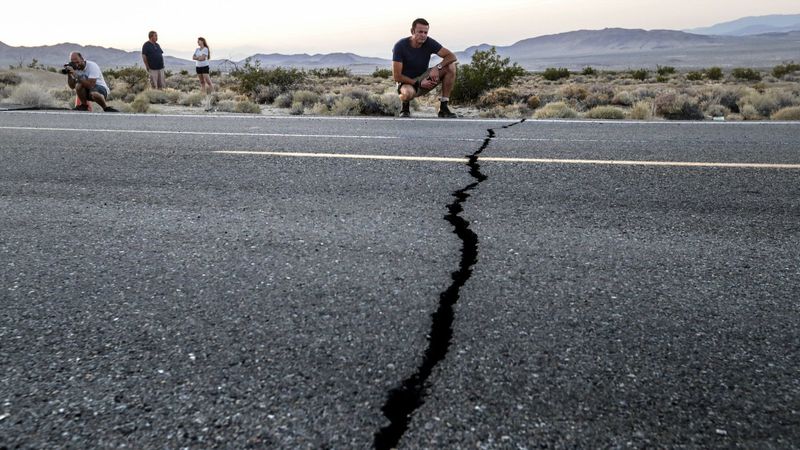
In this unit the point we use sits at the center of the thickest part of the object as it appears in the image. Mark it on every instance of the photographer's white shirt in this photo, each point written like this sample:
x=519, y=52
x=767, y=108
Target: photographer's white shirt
x=92, y=70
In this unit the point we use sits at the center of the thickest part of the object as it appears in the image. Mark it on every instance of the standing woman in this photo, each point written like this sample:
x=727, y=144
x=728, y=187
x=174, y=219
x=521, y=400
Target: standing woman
x=202, y=55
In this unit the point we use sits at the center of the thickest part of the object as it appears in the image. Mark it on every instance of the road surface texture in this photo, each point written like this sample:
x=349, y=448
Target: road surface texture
x=261, y=282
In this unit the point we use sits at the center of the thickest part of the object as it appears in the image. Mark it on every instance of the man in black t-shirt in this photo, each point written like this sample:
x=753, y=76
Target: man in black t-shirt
x=410, y=59
x=153, y=59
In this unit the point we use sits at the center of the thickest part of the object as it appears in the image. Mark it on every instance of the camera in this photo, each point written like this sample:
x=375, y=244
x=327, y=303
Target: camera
x=70, y=64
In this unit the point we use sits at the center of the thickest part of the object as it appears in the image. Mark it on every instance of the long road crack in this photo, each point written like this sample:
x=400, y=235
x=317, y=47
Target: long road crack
x=403, y=400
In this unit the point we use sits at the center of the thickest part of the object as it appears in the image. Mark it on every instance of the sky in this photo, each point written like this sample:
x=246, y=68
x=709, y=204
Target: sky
x=235, y=29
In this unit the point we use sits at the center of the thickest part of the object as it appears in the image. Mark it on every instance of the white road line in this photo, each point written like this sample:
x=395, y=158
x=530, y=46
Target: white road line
x=517, y=160
x=201, y=133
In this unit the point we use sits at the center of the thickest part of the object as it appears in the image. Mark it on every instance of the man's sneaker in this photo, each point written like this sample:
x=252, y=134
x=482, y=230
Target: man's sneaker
x=109, y=109
x=81, y=108
x=405, y=113
x=445, y=112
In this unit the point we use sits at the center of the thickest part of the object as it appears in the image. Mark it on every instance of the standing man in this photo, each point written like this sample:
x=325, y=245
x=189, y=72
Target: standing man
x=153, y=58
x=410, y=59
x=86, y=78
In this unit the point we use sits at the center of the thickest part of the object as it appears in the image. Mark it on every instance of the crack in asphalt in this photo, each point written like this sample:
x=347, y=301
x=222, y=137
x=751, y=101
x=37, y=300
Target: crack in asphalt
x=404, y=399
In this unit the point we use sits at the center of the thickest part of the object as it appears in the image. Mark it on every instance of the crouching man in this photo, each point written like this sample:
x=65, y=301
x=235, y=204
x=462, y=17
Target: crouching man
x=87, y=80
x=410, y=59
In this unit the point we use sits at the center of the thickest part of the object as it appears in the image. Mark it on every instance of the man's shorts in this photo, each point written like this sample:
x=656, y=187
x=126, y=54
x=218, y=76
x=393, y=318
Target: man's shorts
x=420, y=90
x=100, y=90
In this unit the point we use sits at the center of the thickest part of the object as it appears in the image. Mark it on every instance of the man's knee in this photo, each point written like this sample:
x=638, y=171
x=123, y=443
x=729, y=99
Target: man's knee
x=407, y=93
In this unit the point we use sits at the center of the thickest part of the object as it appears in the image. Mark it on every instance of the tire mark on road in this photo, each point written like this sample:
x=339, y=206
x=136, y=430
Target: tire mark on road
x=404, y=399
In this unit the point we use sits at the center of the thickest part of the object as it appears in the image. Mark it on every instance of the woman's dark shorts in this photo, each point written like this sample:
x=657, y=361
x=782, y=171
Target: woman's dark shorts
x=204, y=69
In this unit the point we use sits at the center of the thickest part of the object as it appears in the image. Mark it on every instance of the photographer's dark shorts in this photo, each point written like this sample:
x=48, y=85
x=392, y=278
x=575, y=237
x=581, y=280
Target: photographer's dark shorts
x=100, y=90
x=420, y=90
x=201, y=70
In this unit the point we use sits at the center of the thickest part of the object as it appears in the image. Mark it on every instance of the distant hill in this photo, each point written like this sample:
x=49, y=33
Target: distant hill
x=618, y=48
x=748, y=26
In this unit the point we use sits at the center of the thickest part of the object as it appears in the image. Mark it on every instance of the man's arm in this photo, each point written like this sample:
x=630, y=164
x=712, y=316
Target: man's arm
x=144, y=59
x=448, y=58
x=397, y=74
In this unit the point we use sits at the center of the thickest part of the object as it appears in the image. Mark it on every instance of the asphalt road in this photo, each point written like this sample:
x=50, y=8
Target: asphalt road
x=172, y=282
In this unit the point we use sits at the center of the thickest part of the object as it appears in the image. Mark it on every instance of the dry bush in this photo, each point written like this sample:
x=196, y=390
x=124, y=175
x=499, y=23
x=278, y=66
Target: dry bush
x=346, y=106
x=247, y=107
x=192, y=99
x=305, y=97
x=748, y=112
x=716, y=110
x=557, y=110
x=515, y=111
x=283, y=101
x=10, y=79
x=623, y=98
x=606, y=112
x=297, y=109
x=533, y=102
x=642, y=111
x=574, y=92
x=64, y=94
x=790, y=113
x=29, y=94
x=141, y=104
x=674, y=106
x=770, y=101
x=501, y=96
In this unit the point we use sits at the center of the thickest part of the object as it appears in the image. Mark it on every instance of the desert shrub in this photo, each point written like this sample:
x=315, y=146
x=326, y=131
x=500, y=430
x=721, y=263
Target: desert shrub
x=297, y=109
x=516, y=111
x=267, y=94
x=574, y=92
x=716, y=110
x=674, y=106
x=247, y=107
x=665, y=70
x=141, y=104
x=346, y=106
x=553, y=74
x=746, y=74
x=251, y=77
x=533, y=102
x=623, y=98
x=782, y=70
x=497, y=97
x=331, y=72
x=714, y=73
x=10, y=79
x=606, y=112
x=642, y=111
x=599, y=95
x=154, y=96
x=694, y=76
x=589, y=71
x=557, y=110
x=382, y=73
x=29, y=94
x=136, y=78
x=748, y=112
x=192, y=99
x=790, y=113
x=486, y=71
x=63, y=94
x=640, y=74
x=768, y=102
x=307, y=98
x=284, y=100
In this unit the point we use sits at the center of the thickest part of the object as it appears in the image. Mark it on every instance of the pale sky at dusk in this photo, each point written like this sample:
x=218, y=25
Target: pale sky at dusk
x=235, y=28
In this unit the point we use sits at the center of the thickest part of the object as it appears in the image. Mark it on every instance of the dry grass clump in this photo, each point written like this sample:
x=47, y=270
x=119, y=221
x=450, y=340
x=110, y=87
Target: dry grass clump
x=501, y=96
x=790, y=113
x=674, y=106
x=141, y=103
x=29, y=94
x=642, y=111
x=770, y=101
x=606, y=112
x=195, y=98
x=557, y=110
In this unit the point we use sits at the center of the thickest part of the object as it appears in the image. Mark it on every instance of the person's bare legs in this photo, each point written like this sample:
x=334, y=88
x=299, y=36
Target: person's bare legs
x=209, y=84
x=448, y=79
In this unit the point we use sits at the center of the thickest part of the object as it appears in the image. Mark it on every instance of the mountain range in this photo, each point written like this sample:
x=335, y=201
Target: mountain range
x=758, y=42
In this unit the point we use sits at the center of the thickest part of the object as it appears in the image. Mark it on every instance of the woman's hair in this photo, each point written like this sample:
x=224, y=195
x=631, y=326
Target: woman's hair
x=205, y=44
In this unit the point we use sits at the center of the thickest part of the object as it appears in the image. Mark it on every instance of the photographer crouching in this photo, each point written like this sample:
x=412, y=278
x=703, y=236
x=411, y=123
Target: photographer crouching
x=87, y=80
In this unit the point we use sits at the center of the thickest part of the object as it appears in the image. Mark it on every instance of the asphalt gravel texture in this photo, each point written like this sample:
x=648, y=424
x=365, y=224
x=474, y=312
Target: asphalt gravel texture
x=159, y=294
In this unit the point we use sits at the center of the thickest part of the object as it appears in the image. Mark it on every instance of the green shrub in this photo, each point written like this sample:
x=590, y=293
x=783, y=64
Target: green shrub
x=665, y=70
x=251, y=77
x=640, y=74
x=557, y=110
x=553, y=74
x=589, y=71
x=331, y=72
x=382, y=73
x=486, y=71
x=694, y=76
x=780, y=71
x=790, y=113
x=741, y=73
x=606, y=112
x=662, y=79
x=714, y=73
x=136, y=78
